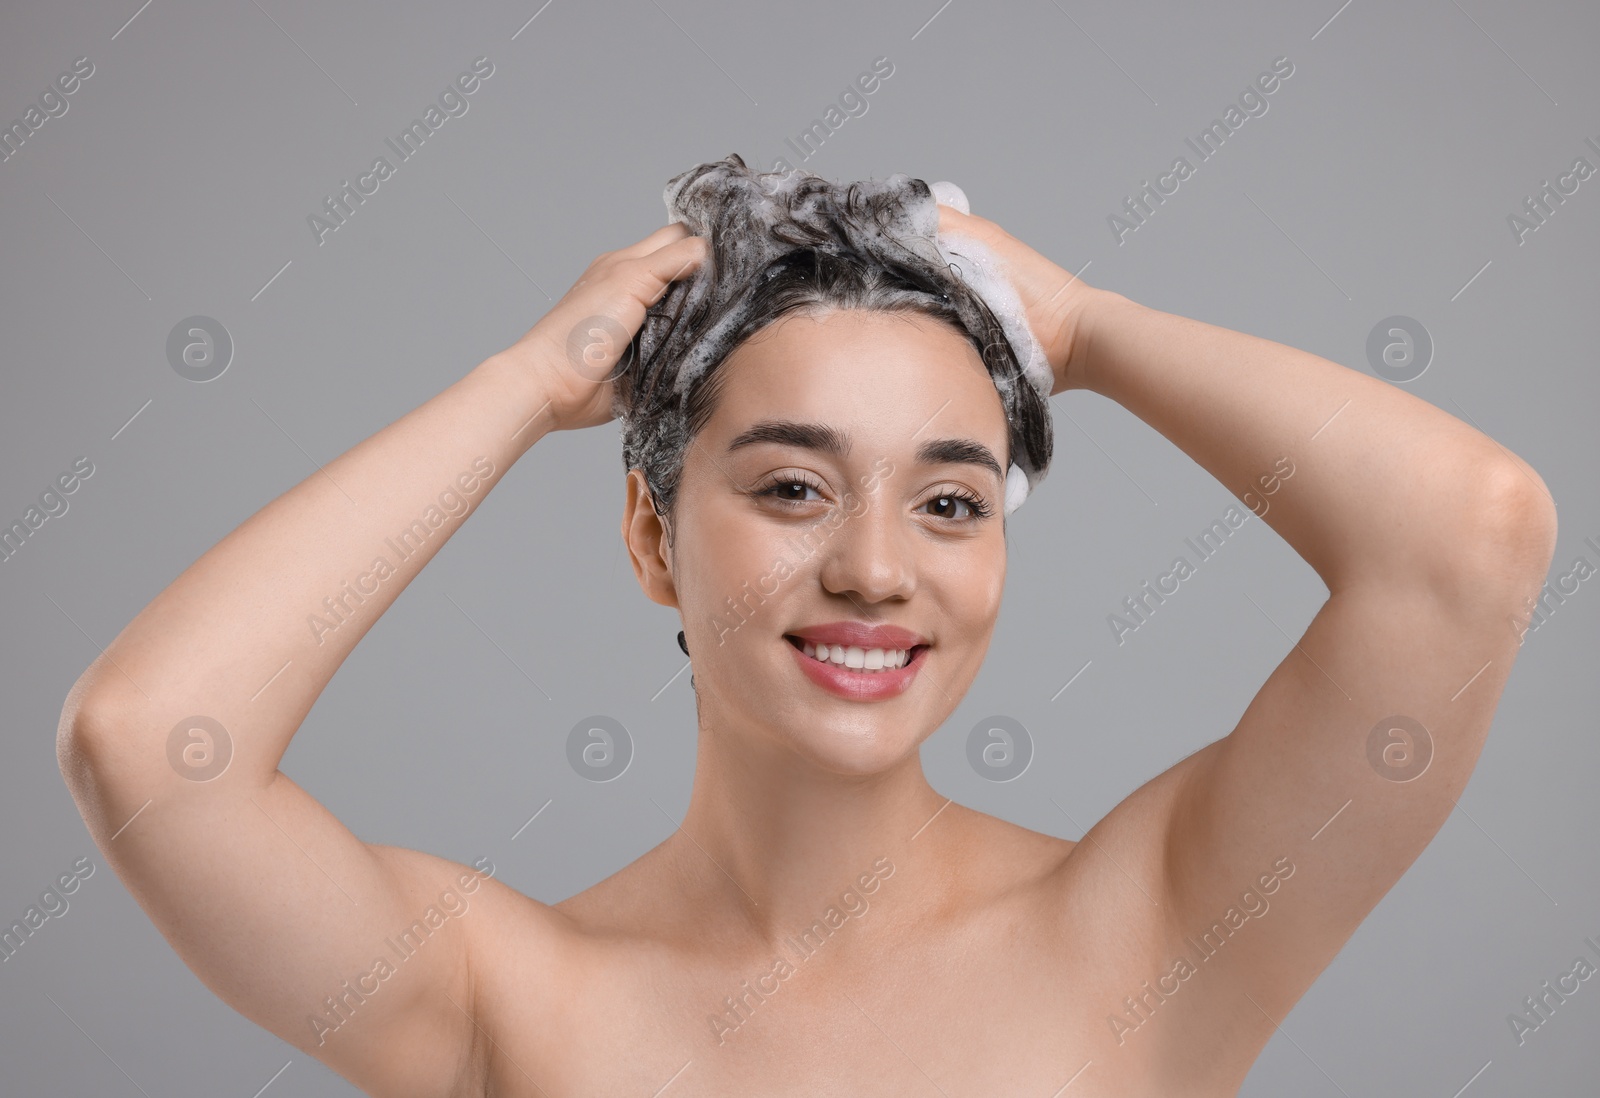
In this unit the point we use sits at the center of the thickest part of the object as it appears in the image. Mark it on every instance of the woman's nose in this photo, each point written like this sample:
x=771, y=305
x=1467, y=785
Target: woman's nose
x=870, y=554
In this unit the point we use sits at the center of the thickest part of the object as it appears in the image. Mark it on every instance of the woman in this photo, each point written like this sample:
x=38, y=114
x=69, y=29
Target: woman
x=824, y=922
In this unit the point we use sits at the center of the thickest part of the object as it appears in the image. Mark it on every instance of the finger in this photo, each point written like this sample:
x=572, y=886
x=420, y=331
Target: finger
x=661, y=237
x=953, y=220
x=955, y=225
x=950, y=219
x=946, y=193
x=673, y=261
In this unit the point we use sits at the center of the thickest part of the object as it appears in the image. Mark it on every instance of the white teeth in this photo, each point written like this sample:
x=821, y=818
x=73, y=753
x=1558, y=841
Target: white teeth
x=866, y=660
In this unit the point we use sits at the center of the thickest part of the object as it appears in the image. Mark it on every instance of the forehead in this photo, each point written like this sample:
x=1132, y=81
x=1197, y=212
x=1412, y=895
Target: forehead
x=879, y=377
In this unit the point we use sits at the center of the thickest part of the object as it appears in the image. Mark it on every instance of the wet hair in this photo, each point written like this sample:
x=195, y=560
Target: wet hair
x=792, y=242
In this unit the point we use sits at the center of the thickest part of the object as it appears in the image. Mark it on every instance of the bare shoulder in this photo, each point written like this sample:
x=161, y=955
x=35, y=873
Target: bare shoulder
x=619, y=902
x=1002, y=856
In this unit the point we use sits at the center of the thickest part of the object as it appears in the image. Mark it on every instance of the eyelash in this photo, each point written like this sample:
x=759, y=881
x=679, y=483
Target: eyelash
x=976, y=504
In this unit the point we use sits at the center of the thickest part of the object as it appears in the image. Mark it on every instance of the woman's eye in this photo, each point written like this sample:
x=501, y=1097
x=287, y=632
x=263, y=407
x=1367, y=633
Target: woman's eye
x=947, y=503
x=945, y=507
x=791, y=491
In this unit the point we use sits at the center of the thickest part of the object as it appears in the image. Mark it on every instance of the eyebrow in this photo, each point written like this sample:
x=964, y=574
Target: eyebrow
x=825, y=439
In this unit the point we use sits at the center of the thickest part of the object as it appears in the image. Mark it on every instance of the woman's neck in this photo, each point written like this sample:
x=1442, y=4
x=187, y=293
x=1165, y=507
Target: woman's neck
x=771, y=840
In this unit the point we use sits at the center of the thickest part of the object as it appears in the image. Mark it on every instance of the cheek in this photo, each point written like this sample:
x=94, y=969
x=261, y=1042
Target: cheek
x=971, y=583
x=971, y=591
x=728, y=565
x=994, y=571
x=983, y=604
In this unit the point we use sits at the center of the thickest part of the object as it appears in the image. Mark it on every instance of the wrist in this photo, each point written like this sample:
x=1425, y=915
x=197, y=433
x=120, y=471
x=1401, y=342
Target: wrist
x=522, y=395
x=1098, y=313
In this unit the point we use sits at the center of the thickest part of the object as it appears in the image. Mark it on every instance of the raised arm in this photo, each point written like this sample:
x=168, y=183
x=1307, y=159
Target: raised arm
x=1277, y=839
x=171, y=740
x=1429, y=536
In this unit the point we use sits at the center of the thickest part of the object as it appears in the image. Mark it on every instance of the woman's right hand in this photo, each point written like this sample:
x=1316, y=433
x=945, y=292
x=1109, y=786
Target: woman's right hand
x=574, y=350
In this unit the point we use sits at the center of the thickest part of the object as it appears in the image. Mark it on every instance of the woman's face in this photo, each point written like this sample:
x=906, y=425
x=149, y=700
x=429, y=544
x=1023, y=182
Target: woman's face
x=776, y=535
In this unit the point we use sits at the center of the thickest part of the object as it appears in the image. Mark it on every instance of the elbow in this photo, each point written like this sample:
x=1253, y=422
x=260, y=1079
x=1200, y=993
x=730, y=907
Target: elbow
x=94, y=757
x=84, y=734
x=1514, y=536
x=75, y=752
x=1521, y=514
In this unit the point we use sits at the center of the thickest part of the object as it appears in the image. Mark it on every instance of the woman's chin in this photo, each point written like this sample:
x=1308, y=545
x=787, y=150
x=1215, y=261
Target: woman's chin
x=845, y=738
x=859, y=751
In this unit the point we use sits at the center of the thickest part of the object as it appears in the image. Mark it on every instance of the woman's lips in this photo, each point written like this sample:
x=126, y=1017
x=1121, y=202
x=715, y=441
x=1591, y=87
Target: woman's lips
x=856, y=685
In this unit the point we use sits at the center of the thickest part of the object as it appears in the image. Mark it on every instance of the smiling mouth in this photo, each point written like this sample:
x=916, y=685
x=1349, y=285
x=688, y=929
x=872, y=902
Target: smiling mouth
x=856, y=658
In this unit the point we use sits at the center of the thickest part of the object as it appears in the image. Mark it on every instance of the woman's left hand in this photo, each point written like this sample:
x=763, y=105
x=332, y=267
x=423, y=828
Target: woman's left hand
x=1055, y=300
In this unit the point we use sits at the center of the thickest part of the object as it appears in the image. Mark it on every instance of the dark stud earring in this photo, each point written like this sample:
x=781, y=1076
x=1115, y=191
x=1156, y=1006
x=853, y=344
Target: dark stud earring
x=683, y=644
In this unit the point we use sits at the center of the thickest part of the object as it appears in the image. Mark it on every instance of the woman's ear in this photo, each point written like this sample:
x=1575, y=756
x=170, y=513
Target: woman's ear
x=645, y=536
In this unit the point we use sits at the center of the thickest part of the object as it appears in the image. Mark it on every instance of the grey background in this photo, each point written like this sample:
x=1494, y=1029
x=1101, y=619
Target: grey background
x=179, y=183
